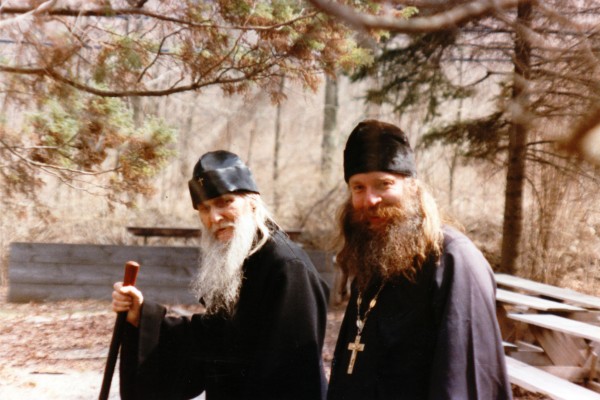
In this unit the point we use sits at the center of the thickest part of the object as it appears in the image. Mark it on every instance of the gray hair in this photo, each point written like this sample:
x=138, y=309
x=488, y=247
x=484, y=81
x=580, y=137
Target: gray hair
x=265, y=223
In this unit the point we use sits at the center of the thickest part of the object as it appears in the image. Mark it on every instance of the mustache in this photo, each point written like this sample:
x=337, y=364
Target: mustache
x=222, y=225
x=361, y=217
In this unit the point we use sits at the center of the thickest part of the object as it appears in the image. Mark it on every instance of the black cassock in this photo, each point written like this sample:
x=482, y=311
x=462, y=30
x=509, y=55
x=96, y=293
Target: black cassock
x=270, y=349
x=436, y=339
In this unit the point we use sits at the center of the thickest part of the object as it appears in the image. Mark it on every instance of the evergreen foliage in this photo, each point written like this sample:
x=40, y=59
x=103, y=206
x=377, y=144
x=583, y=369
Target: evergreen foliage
x=76, y=68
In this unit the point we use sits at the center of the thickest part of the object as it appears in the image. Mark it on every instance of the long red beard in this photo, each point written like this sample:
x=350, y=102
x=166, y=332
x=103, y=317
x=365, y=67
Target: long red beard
x=393, y=250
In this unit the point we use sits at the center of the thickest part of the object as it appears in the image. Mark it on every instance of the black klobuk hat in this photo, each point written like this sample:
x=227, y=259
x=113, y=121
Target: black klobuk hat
x=378, y=146
x=217, y=173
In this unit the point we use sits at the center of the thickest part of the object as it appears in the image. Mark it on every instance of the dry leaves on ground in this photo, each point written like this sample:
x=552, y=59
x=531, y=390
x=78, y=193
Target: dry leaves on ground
x=58, y=350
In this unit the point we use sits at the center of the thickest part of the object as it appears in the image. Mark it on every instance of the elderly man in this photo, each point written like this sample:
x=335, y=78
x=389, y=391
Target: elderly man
x=421, y=320
x=266, y=307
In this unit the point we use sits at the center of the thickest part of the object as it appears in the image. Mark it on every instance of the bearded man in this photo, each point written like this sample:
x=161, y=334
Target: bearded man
x=421, y=318
x=262, y=334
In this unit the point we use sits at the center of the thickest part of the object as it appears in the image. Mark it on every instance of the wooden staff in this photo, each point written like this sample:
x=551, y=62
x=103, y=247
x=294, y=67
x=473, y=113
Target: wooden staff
x=131, y=271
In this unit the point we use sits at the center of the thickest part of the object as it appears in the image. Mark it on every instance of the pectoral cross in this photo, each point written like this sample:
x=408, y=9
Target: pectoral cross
x=355, y=346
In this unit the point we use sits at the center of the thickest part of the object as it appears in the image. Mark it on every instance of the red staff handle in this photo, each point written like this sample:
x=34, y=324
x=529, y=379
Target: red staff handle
x=131, y=270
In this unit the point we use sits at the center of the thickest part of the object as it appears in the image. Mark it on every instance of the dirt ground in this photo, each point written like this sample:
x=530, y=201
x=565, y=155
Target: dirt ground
x=54, y=350
x=58, y=350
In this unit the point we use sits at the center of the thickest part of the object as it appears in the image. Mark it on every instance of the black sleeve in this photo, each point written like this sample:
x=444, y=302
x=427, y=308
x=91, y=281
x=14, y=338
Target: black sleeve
x=469, y=359
x=154, y=358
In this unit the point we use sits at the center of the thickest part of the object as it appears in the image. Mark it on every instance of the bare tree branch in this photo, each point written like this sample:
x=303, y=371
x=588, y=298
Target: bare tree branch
x=127, y=93
x=121, y=12
x=157, y=55
x=31, y=11
x=455, y=16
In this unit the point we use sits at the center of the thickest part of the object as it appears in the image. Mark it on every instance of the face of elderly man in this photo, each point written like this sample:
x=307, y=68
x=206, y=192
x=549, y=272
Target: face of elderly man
x=219, y=215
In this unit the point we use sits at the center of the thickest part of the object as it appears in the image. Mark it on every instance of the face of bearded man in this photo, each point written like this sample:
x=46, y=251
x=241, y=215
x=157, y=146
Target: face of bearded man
x=219, y=275
x=384, y=239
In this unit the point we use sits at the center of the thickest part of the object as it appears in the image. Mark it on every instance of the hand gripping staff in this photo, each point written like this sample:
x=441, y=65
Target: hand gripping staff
x=131, y=271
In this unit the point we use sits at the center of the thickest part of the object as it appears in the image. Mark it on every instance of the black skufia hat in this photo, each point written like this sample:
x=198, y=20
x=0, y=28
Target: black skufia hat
x=217, y=173
x=378, y=146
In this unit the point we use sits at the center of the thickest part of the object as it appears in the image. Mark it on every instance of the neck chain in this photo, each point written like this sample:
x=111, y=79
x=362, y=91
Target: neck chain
x=360, y=322
x=357, y=346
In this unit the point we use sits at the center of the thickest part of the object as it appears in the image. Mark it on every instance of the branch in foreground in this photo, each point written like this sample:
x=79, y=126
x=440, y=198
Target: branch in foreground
x=30, y=11
x=115, y=93
x=444, y=20
x=125, y=12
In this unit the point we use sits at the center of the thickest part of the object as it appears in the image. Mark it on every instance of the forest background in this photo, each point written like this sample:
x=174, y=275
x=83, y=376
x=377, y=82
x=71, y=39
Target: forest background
x=108, y=105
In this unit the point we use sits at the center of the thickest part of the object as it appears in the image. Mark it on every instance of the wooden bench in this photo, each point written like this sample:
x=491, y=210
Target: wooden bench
x=556, y=343
x=538, y=381
x=532, y=302
x=542, y=289
x=560, y=324
x=570, y=346
x=508, y=301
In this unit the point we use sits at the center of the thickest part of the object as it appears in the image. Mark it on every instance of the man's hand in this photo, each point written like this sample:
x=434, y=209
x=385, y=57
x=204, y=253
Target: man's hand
x=130, y=299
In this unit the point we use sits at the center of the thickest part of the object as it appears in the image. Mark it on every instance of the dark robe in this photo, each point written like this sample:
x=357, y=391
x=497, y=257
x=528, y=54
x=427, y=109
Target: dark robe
x=437, y=338
x=269, y=349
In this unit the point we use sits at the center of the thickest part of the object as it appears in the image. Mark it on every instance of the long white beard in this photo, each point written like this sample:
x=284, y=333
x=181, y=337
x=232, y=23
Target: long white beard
x=219, y=276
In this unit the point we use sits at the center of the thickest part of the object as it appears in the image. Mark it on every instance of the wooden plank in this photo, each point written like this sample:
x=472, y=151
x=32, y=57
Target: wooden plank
x=53, y=271
x=571, y=374
x=60, y=273
x=539, y=381
x=524, y=346
x=23, y=293
x=536, y=303
x=571, y=296
x=86, y=254
x=593, y=385
x=531, y=358
x=561, y=348
x=509, y=346
x=560, y=324
x=162, y=231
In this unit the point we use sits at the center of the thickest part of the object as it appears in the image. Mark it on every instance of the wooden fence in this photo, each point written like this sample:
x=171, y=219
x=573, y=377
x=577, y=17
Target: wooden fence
x=48, y=271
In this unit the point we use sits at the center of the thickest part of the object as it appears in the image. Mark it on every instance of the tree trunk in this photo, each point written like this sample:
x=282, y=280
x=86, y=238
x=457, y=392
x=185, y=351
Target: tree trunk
x=515, y=176
x=276, y=151
x=329, y=142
